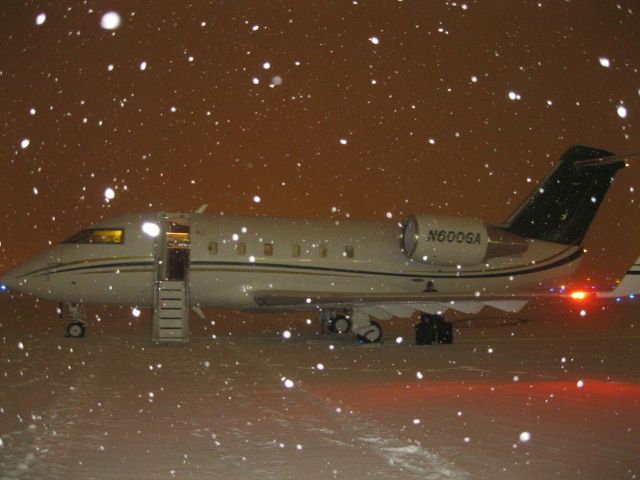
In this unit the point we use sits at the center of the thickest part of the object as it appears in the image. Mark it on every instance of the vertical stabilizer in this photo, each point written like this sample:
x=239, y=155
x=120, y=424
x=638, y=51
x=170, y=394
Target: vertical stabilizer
x=563, y=205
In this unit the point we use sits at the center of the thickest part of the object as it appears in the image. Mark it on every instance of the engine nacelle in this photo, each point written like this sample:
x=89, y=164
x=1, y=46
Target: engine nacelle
x=445, y=241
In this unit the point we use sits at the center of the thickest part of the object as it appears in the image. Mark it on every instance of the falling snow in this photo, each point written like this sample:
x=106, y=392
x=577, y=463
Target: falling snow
x=622, y=111
x=151, y=229
x=110, y=21
x=276, y=81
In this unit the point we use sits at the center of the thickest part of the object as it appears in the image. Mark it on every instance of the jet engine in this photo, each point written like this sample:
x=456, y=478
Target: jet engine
x=446, y=241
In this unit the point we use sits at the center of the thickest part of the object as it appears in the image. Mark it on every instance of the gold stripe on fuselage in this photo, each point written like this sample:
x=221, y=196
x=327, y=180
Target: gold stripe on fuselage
x=276, y=271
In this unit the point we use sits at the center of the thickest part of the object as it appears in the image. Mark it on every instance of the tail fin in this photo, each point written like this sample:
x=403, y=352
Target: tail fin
x=563, y=205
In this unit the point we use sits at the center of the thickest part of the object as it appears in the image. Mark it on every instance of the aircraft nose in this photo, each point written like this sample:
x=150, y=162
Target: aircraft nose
x=13, y=278
x=8, y=281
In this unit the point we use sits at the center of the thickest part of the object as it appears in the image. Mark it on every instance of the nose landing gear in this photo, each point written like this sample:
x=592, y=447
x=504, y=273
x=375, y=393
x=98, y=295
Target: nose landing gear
x=77, y=328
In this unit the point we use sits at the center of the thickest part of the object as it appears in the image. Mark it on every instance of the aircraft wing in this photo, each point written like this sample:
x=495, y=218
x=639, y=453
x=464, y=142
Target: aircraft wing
x=387, y=305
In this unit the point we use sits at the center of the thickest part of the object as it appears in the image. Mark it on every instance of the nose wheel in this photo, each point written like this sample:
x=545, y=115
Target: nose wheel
x=76, y=330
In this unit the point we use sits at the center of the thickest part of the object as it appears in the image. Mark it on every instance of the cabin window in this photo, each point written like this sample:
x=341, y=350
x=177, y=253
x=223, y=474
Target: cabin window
x=98, y=235
x=213, y=248
x=348, y=251
x=241, y=248
x=295, y=250
x=322, y=250
x=268, y=249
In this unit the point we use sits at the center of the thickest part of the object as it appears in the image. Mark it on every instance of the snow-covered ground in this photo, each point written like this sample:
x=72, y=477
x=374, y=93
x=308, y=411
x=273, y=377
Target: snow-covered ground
x=542, y=394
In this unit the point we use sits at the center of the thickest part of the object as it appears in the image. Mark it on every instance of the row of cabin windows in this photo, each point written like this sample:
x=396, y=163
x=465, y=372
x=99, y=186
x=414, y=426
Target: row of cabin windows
x=241, y=249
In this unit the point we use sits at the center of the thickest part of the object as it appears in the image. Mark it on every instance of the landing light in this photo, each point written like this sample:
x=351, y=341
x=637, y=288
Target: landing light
x=578, y=295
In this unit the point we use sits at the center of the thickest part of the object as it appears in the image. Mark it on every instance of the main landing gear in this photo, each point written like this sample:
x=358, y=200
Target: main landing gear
x=371, y=333
x=77, y=326
x=339, y=324
x=433, y=329
x=358, y=323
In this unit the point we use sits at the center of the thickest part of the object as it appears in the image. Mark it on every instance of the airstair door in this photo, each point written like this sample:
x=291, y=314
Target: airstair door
x=171, y=292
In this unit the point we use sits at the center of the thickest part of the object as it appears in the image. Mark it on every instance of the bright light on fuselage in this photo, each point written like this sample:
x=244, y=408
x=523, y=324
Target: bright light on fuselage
x=578, y=295
x=151, y=229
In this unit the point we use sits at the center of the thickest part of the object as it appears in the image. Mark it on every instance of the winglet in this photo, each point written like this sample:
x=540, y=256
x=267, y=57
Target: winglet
x=202, y=208
x=630, y=284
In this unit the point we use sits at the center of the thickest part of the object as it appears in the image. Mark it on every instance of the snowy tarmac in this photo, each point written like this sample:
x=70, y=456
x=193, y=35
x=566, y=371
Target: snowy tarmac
x=541, y=394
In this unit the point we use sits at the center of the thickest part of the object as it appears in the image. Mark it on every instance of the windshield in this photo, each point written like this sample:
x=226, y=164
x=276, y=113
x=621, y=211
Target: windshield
x=98, y=235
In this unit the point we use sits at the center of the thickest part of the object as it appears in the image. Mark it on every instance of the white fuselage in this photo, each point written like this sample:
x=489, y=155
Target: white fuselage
x=230, y=258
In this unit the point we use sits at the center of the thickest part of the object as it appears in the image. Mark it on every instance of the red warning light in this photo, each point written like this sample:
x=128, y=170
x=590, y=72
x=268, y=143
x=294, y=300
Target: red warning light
x=578, y=295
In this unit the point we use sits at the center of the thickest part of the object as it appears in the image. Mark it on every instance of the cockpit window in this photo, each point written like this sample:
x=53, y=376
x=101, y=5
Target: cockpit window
x=98, y=235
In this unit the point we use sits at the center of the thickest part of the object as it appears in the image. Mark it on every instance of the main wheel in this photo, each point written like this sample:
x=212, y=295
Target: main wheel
x=446, y=333
x=76, y=330
x=339, y=324
x=370, y=334
x=424, y=333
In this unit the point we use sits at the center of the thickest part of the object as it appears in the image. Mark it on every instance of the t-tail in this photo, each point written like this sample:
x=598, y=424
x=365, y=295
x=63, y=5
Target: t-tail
x=563, y=205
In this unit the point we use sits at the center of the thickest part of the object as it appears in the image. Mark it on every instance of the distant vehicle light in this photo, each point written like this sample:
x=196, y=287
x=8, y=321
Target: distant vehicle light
x=3, y=288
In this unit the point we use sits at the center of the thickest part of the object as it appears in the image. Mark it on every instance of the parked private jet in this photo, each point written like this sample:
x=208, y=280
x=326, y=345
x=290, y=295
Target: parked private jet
x=350, y=272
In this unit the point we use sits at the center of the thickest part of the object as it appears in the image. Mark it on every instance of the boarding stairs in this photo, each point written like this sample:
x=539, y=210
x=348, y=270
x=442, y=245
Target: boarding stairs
x=170, y=312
